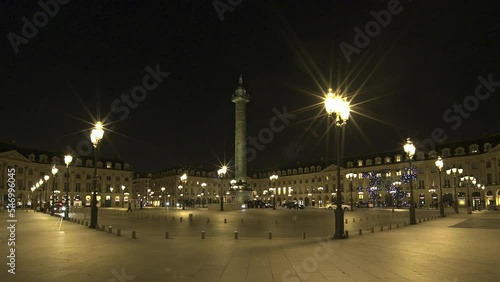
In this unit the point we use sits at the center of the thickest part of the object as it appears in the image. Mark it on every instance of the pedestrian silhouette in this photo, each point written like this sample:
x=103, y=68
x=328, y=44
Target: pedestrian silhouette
x=129, y=207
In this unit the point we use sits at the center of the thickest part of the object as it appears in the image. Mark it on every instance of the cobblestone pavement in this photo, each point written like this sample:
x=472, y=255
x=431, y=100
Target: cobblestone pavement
x=455, y=248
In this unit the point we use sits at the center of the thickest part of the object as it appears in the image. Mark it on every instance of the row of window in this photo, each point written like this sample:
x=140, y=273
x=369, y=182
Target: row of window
x=77, y=162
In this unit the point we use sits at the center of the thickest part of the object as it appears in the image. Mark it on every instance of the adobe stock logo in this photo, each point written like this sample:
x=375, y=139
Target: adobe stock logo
x=221, y=7
x=372, y=29
x=266, y=135
x=40, y=19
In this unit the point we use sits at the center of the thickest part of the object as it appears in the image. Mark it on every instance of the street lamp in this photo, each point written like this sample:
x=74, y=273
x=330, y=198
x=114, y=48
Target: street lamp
x=273, y=179
x=46, y=177
x=123, y=196
x=455, y=172
x=67, y=160
x=409, y=148
x=54, y=172
x=351, y=176
x=338, y=109
x=468, y=179
x=184, y=181
x=439, y=164
x=95, y=137
x=221, y=172
x=163, y=196
x=37, y=187
x=181, y=194
x=203, y=185
x=320, y=189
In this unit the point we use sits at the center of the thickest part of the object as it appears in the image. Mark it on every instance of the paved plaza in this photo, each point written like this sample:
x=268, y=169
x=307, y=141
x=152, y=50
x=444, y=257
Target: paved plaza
x=455, y=248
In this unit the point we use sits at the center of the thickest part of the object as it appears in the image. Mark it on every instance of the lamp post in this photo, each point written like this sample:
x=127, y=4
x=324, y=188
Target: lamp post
x=37, y=187
x=46, y=177
x=184, y=181
x=233, y=188
x=351, y=176
x=439, y=164
x=320, y=202
x=123, y=196
x=95, y=137
x=67, y=160
x=409, y=148
x=338, y=109
x=455, y=172
x=54, y=172
x=468, y=179
x=203, y=185
x=163, y=196
x=221, y=172
x=273, y=179
x=181, y=194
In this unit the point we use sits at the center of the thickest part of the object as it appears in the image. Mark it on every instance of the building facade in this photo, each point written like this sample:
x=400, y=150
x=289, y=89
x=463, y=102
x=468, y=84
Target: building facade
x=382, y=179
x=37, y=187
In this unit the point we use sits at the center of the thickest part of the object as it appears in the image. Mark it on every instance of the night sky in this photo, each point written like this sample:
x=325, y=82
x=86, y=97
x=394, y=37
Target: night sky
x=403, y=79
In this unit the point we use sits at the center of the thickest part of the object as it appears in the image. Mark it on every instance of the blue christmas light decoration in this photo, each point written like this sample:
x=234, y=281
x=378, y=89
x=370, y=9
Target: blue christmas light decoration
x=405, y=177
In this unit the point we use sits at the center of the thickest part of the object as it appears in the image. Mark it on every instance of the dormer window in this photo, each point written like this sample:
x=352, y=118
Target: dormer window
x=446, y=152
x=387, y=160
x=368, y=162
x=109, y=165
x=350, y=164
x=360, y=163
x=31, y=157
x=486, y=147
x=378, y=160
x=474, y=149
x=432, y=155
x=306, y=170
x=459, y=151
x=397, y=158
x=420, y=156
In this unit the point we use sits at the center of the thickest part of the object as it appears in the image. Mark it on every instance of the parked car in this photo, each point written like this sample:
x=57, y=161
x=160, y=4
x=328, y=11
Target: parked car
x=364, y=204
x=292, y=205
x=334, y=206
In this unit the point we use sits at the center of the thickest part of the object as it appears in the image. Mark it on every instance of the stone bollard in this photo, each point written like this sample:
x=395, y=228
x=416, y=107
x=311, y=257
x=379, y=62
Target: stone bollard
x=118, y=232
x=419, y=220
x=133, y=235
x=235, y=234
x=86, y=223
x=360, y=231
x=347, y=234
x=270, y=235
x=390, y=226
x=202, y=234
x=208, y=220
x=373, y=230
x=381, y=228
x=190, y=217
x=303, y=235
x=173, y=218
x=225, y=220
x=166, y=235
x=180, y=219
x=110, y=229
x=353, y=220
